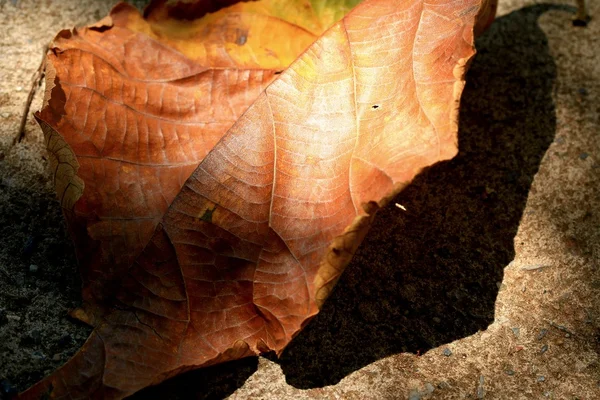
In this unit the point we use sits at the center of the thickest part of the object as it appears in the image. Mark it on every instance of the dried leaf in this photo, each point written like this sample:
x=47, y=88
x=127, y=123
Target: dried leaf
x=287, y=171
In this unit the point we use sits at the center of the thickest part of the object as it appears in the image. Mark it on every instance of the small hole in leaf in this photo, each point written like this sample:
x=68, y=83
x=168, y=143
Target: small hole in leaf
x=374, y=106
x=241, y=40
x=102, y=28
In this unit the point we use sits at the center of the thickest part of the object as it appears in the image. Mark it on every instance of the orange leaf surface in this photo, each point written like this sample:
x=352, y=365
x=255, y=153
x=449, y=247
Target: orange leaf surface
x=213, y=201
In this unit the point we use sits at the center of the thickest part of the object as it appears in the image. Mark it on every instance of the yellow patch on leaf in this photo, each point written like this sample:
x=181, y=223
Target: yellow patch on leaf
x=266, y=34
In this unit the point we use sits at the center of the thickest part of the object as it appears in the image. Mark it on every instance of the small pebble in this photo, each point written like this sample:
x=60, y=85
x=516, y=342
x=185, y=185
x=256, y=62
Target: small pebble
x=414, y=395
x=542, y=333
x=480, y=389
x=33, y=268
x=5, y=114
x=436, y=320
x=56, y=357
x=36, y=335
x=19, y=279
x=567, y=335
x=6, y=182
x=429, y=387
x=544, y=349
x=509, y=372
x=541, y=378
x=583, y=156
x=516, y=332
x=447, y=352
x=19, y=88
x=13, y=317
x=38, y=355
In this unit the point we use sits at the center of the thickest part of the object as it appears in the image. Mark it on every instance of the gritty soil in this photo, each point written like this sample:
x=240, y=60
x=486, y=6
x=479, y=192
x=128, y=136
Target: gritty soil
x=488, y=286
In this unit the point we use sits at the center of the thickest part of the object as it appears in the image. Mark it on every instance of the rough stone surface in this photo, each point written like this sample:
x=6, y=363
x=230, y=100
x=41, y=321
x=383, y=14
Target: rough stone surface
x=504, y=238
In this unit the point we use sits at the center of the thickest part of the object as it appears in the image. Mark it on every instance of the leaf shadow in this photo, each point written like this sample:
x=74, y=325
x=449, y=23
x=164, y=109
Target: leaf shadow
x=431, y=275
x=212, y=383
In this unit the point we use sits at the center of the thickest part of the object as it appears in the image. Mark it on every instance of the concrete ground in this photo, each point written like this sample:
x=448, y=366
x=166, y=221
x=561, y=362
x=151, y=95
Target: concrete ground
x=487, y=287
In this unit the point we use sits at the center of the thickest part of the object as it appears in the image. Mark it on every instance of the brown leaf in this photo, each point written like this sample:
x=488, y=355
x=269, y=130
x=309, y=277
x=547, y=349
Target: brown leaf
x=286, y=176
x=138, y=126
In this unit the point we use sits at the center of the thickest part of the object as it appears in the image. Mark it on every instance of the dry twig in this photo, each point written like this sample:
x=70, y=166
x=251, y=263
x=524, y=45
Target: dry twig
x=35, y=84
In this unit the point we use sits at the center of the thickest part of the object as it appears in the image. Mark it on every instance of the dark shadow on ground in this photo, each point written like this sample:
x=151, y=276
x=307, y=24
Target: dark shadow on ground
x=210, y=383
x=430, y=276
